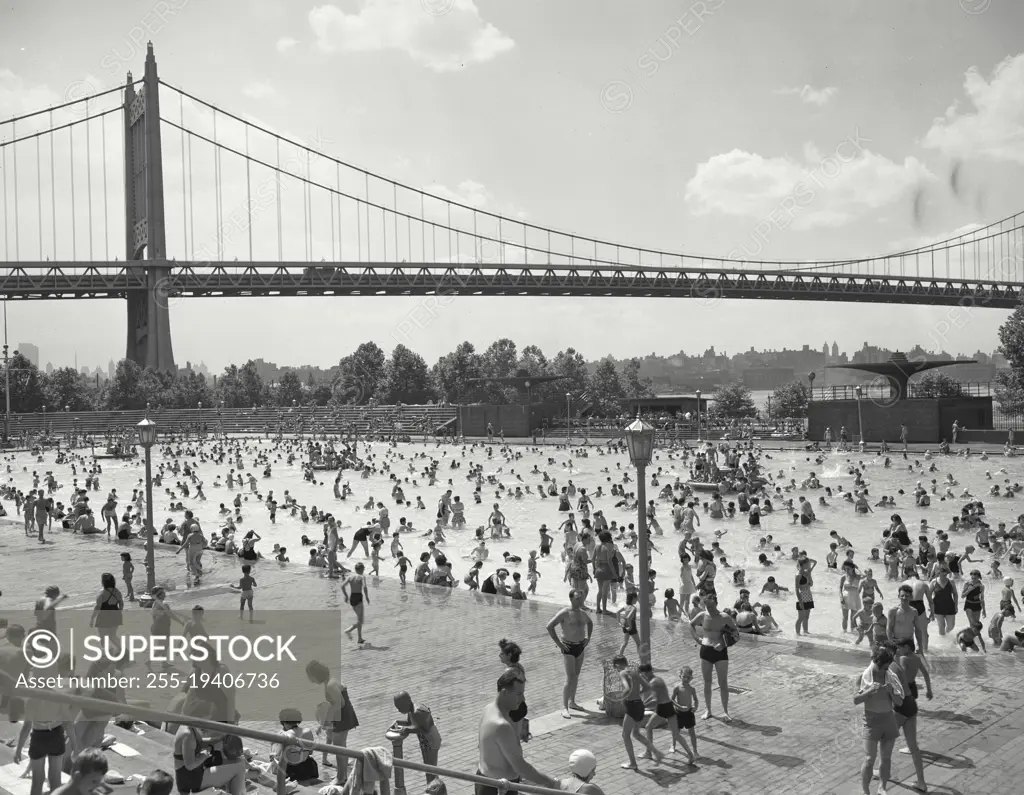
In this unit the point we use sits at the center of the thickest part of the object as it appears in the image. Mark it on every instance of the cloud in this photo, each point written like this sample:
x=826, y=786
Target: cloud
x=995, y=126
x=818, y=191
x=444, y=40
x=259, y=90
x=924, y=241
x=468, y=192
x=285, y=43
x=810, y=95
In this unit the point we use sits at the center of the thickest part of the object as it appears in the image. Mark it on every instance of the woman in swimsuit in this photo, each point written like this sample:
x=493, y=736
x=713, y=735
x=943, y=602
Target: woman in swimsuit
x=106, y=616
x=804, y=601
x=509, y=656
x=357, y=599
x=336, y=714
x=193, y=754
x=714, y=651
x=944, y=601
x=974, y=599
x=495, y=584
x=906, y=666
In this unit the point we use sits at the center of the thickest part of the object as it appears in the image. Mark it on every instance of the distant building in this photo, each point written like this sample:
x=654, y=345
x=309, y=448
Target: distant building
x=49, y=368
x=111, y=369
x=29, y=351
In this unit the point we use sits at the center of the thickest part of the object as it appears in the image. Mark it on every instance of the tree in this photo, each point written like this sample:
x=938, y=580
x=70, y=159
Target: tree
x=453, y=372
x=189, y=390
x=125, y=390
x=570, y=364
x=734, y=401
x=361, y=374
x=934, y=385
x=66, y=387
x=633, y=386
x=1009, y=391
x=406, y=378
x=254, y=390
x=289, y=389
x=28, y=385
x=499, y=361
x=606, y=388
x=790, y=400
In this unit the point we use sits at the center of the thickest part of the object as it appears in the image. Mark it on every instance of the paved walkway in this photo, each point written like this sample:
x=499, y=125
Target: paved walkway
x=794, y=729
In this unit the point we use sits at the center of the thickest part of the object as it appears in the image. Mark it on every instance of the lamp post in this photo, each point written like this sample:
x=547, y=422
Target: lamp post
x=698, y=416
x=147, y=438
x=44, y=421
x=640, y=443
x=860, y=415
x=199, y=430
x=568, y=418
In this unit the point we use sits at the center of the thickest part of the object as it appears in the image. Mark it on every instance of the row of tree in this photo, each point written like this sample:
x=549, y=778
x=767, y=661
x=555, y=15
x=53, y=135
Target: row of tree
x=366, y=376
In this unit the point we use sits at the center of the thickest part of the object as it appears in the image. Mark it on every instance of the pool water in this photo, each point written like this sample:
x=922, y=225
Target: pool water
x=740, y=543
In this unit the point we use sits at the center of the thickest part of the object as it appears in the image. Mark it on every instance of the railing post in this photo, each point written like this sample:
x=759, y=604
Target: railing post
x=397, y=739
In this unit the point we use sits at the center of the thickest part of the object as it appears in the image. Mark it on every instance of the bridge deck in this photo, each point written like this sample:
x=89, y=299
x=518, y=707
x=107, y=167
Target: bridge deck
x=172, y=281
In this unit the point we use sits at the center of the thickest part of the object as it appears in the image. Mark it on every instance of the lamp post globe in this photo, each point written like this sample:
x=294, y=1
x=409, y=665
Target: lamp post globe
x=640, y=444
x=147, y=438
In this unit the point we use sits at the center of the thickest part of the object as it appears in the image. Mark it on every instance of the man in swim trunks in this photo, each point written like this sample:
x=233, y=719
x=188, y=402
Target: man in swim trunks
x=714, y=651
x=902, y=626
x=501, y=753
x=577, y=627
x=921, y=593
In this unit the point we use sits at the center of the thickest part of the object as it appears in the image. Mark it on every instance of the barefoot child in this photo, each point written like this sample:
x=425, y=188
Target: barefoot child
x=995, y=627
x=633, y=686
x=245, y=585
x=531, y=571
x=685, y=704
x=127, y=570
x=664, y=713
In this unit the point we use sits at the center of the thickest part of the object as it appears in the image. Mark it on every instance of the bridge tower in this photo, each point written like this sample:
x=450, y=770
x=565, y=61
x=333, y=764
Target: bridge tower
x=149, y=324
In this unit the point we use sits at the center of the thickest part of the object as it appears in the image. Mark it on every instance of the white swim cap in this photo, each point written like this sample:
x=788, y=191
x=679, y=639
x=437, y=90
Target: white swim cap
x=582, y=762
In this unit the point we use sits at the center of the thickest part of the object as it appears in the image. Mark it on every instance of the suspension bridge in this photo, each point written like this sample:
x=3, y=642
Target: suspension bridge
x=362, y=234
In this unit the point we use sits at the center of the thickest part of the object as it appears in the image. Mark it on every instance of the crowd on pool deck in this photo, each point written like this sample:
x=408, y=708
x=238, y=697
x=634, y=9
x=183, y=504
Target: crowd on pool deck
x=933, y=581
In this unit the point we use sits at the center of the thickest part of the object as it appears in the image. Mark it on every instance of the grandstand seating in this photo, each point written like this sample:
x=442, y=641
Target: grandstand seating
x=333, y=420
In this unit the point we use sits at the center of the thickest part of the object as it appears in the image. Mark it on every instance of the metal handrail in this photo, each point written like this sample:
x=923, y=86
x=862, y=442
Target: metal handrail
x=104, y=707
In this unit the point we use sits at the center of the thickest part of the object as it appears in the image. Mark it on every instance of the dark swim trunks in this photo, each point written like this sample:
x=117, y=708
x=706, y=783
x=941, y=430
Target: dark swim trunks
x=483, y=789
x=665, y=710
x=573, y=648
x=713, y=655
x=919, y=606
x=635, y=709
x=685, y=719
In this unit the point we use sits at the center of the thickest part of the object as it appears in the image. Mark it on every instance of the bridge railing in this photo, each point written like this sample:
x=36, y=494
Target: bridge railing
x=101, y=707
x=880, y=391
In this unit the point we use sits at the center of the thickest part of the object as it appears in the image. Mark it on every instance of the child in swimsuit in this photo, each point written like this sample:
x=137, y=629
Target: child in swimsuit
x=245, y=585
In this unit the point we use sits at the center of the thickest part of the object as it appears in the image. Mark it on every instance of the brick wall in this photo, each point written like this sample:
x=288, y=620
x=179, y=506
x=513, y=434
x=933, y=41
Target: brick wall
x=928, y=421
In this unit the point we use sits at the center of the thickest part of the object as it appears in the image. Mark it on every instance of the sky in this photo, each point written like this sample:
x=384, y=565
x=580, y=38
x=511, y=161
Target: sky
x=663, y=125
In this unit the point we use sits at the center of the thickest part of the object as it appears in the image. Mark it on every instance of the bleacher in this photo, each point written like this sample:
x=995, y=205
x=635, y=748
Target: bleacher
x=413, y=420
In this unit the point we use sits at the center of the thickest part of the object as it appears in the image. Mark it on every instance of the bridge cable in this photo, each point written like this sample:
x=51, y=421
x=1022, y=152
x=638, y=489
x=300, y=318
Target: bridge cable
x=334, y=257
x=74, y=226
x=337, y=179
x=191, y=203
x=806, y=267
x=53, y=192
x=803, y=267
x=39, y=196
x=184, y=195
x=88, y=176
x=217, y=189
x=17, y=223
x=52, y=108
x=3, y=168
x=280, y=239
x=369, y=247
x=30, y=136
x=106, y=205
x=248, y=191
